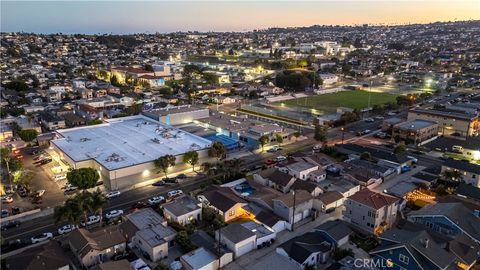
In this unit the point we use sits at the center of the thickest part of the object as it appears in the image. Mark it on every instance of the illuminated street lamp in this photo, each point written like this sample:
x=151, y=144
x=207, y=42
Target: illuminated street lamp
x=343, y=133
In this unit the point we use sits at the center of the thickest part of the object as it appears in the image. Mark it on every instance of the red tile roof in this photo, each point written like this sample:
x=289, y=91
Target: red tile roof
x=373, y=199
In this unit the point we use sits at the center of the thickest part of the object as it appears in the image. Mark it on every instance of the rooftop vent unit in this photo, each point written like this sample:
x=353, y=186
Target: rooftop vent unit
x=85, y=139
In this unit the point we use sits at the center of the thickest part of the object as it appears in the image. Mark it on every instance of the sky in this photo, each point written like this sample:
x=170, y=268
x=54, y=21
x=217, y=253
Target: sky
x=122, y=17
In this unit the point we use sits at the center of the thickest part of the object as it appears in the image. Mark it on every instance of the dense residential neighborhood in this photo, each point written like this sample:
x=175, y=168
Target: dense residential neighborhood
x=320, y=147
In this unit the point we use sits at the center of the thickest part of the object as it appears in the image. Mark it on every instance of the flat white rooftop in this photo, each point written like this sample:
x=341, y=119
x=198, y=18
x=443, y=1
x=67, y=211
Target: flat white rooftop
x=126, y=141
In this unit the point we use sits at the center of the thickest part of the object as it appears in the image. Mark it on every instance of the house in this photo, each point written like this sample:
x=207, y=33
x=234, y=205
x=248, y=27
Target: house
x=281, y=181
x=200, y=259
x=317, y=175
x=183, y=210
x=44, y=257
x=337, y=231
x=371, y=211
x=51, y=121
x=470, y=172
x=262, y=176
x=310, y=187
x=467, y=191
x=328, y=201
x=299, y=201
x=225, y=201
x=202, y=239
x=149, y=232
x=94, y=247
x=264, y=235
x=306, y=250
x=299, y=168
x=412, y=247
x=237, y=238
x=450, y=219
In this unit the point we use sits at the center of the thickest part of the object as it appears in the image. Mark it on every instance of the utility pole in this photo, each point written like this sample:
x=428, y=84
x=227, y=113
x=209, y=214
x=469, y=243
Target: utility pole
x=343, y=133
x=293, y=218
x=369, y=93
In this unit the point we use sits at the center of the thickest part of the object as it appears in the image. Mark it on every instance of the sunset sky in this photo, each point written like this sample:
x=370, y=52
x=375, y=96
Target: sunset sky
x=164, y=16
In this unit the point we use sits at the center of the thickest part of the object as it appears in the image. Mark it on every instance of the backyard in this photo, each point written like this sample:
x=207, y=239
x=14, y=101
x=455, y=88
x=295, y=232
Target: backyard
x=328, y=103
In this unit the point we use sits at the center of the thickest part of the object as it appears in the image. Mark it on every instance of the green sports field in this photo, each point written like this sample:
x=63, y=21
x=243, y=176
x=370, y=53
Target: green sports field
x=328, y=103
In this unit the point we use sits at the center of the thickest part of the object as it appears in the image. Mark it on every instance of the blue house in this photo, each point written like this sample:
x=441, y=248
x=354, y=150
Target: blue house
x=450, y=219
x=414, y=248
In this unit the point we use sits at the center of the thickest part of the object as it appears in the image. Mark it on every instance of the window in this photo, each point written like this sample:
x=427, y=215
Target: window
x=403, y=259
x=231, y=213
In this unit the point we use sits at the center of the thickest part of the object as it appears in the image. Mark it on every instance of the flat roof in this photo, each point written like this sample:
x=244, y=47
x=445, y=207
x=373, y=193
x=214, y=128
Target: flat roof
x=126, y=141
x=199, y=258
x=415, y=124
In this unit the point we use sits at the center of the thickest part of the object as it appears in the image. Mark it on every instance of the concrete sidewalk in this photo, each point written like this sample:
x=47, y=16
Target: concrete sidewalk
x=247, y=260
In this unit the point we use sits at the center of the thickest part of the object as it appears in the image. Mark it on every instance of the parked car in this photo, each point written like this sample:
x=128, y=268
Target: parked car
x=369, y=120
x=70, y=189
x=114, y=214
x=16, y=210
x=139, y=205
x=6, y=199
x=159, y=183
x=274, y=149
x=379, y=117
x=413, y=159
x=270, y=162
x=182, y=176
x=22, y=191
x=4, y=213
x=174, y=193
x=381, y=135
x=363, y=132
x=406, y=169
x=42, y=237
x=66, y=229
x=10, y=224
x=91, y=220
x=280, y=158
x=112, y=194
x=39, y=193
x=156, y=200
x=59, y=177
x=170, y=180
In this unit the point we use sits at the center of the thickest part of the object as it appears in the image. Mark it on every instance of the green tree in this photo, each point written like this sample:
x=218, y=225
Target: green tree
x=96, y=202
x=217, y=150
x=209, y=169
x=320, y=133
x=452, y=175
x=399, y=149
x=68, y=212
x=149, y=67
x=164, y=162
x=83, y=178
x=234, y=165
x=114, y=81
x=279, y=138
x=161, y=266
x=184, y=242
x=366, y=156
x=28, y=135
x=263, y=140
x=191, y=157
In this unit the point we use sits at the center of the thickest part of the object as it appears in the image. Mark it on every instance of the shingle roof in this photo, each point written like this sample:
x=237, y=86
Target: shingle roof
x=280, y=178
x=222, y=198
x=462, y=165
x=373, y=199
x=457, y=213
x=301, y=247
x=236, y=232
x=84, y=241
x=468, y=191
x=303, y=185
x=330, y=197
x=45, y=257
x=183, y=205
x=337, y=229
x=301, y=196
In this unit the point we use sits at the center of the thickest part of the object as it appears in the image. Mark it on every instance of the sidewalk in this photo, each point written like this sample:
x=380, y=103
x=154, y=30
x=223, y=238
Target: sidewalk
x=247, y=260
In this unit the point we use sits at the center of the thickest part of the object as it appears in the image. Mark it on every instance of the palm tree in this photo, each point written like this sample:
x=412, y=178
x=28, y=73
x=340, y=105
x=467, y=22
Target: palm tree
x=84, y=203
x=235, y=165
x=209, y=169
x=224, y=170
x=70, y=212
x=96, y=202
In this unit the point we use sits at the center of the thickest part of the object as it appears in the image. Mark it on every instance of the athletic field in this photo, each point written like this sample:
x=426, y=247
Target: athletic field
x=328, y=103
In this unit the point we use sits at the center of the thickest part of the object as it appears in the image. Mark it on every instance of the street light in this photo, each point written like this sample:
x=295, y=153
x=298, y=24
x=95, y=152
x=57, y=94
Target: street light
x=343, y=133
x=293, y=218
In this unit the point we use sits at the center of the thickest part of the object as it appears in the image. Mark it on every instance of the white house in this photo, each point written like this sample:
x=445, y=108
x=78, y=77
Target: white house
x=183, y=210
x=237, y=238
